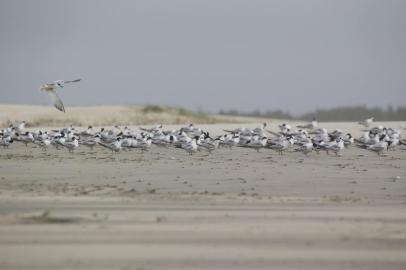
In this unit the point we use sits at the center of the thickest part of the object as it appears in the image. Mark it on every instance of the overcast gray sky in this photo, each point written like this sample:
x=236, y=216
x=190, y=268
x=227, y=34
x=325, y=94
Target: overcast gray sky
x=292, y=55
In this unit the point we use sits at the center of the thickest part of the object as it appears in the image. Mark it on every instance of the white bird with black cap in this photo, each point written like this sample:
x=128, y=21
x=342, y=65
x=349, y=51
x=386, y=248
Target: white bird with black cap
x=50, y=88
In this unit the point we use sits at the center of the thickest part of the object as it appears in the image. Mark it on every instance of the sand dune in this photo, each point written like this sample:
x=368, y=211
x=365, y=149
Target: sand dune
x=108, y=116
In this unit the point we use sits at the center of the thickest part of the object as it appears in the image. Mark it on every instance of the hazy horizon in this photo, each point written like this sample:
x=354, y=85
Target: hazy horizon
x=297, y=56
x=227, y=111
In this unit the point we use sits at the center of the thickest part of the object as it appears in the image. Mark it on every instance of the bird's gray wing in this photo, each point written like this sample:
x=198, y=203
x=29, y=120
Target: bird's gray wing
x=57, y=101
x=77, y=80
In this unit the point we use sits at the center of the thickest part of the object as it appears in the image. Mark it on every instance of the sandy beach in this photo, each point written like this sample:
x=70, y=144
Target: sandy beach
x=203, y=135
x=233, y=209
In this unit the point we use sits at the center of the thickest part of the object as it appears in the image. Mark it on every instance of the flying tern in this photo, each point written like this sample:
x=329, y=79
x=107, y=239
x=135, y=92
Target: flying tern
x=50, y=88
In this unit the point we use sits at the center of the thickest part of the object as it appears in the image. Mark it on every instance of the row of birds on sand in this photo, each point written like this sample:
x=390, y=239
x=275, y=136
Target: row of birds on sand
x=304, y=138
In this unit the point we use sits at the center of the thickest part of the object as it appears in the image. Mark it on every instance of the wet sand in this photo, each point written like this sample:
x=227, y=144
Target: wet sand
x=234, y=209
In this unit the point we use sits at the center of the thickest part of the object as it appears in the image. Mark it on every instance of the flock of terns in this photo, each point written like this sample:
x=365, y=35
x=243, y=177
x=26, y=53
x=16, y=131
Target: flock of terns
x=305, y=138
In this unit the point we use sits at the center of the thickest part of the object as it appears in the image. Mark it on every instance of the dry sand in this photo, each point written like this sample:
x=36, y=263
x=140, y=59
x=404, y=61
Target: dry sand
x=234, y=209
x=108, y=115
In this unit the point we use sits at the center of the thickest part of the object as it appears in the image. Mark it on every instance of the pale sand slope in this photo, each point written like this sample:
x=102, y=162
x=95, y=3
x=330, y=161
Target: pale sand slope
x=107, y=115
x=234, y=209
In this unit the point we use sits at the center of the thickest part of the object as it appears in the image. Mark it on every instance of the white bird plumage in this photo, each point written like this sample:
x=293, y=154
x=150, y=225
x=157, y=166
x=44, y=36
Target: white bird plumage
x=50, y=88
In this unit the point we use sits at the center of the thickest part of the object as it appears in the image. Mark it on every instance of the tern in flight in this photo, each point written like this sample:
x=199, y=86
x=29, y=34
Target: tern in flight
x=50, y=88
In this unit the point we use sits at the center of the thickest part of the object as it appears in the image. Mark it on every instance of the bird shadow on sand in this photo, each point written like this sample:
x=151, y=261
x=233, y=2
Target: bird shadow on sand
x=44, y=218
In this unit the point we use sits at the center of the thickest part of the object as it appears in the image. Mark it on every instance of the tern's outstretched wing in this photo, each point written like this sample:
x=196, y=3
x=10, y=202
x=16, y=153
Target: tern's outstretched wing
x=77, y=80
x=57, y=101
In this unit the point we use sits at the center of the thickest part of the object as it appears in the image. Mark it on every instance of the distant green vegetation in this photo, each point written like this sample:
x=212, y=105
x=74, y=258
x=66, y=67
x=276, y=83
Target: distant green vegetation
x=276, y=114
x=153, y=109
x=345, y=113
x=174, y=110
x=176, y=115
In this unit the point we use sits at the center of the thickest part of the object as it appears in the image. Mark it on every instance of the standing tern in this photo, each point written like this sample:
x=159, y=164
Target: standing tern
x=306, y=148
x=312, y=125
x=378, y=147
x=26, y=138
x=72, y=145
x=20, y=128
x=367, y=122
x=256, y=143
x=336, y=147
x=6, y=141
x=113, y=146
x=282, y=145
x=209, y=144
x=191, y=146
